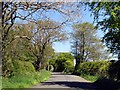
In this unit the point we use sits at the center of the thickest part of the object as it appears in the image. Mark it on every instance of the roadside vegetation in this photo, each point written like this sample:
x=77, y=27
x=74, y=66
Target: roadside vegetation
x=93, y=70
x=24, y=76
x=63, y=62
x=104, y=74
x=30, y=30
x=25, y=80
x=0, y=82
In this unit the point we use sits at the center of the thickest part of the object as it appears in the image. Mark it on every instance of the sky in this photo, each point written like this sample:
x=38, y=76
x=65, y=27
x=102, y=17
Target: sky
x=65, y=46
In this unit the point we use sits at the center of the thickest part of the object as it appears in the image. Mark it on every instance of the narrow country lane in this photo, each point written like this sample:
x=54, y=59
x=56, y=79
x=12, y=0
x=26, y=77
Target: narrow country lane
x=59, y=80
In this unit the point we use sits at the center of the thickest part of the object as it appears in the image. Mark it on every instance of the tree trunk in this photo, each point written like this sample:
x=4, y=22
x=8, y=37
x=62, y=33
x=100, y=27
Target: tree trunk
x=37, y=64
x=77, y=62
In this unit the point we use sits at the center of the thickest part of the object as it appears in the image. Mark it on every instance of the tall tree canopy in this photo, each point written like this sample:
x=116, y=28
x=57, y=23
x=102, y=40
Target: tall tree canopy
x=107, y=17
x=44, y=34
x=86, y=45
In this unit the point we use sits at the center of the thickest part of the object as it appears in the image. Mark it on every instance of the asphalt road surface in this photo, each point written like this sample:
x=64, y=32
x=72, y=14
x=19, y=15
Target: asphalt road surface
x=59, y=80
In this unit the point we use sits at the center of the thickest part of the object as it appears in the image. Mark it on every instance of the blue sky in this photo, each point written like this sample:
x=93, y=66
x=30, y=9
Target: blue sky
x=65, y=46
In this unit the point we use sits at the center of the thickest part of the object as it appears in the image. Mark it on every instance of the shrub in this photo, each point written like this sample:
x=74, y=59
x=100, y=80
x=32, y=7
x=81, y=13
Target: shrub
x=93, y=68
x=22, y=67
x=69, y=67
x=103, y=71
x=63, y=63
x=59, y=65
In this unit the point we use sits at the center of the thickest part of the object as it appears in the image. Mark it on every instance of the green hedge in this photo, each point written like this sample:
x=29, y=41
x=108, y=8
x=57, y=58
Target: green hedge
x=93, y=68
x=69, y=66
x=63, y=62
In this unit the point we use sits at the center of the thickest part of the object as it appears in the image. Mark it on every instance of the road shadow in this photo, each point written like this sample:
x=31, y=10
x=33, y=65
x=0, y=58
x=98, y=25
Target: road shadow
x=78, y=85
x=107, y=84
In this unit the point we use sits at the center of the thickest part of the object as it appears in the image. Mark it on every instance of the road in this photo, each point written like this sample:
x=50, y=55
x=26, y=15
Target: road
x=59, y=80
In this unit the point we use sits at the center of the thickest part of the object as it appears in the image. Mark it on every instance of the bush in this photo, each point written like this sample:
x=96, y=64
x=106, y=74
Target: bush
x=94, y=68
x=60, y=65
x=88, y=77
x=63, y=63
x=103, y=71
x=22, y=67
x=69, y=67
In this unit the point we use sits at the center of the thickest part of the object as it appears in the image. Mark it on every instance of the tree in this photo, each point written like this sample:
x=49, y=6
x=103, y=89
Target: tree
x=17, y=48
x=48, y=54
x=44, y=34
x=86, y=45
x=107, y=17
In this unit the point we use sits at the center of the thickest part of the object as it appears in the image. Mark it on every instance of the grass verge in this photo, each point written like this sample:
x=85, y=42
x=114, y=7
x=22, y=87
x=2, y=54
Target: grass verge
x=25, y=81
x=91, y=78
x=0, y=82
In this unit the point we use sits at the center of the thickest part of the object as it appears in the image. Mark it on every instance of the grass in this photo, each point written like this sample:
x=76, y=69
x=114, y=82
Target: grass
x=0, y=82
x=91, y=78
x=25, y=81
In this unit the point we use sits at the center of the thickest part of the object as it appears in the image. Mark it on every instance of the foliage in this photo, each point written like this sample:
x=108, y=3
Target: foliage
x=26, y=80
x=45, y=32
x=88, y=77
x=60, y=64
x=30, y=44
x=24, y=75
x=22, y=67
x=1, y=82
x=110, y=22
x=107, y=17
x=99, y=68
x=16, y=48
x=69, y=68
x=103, y=71
x=63, y=62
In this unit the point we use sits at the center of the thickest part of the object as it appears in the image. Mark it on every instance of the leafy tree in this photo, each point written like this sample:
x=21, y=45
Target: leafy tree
x=44, y=34
x=49, y=54
x=16, y=48
x=87, y=45
x=107, y=17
